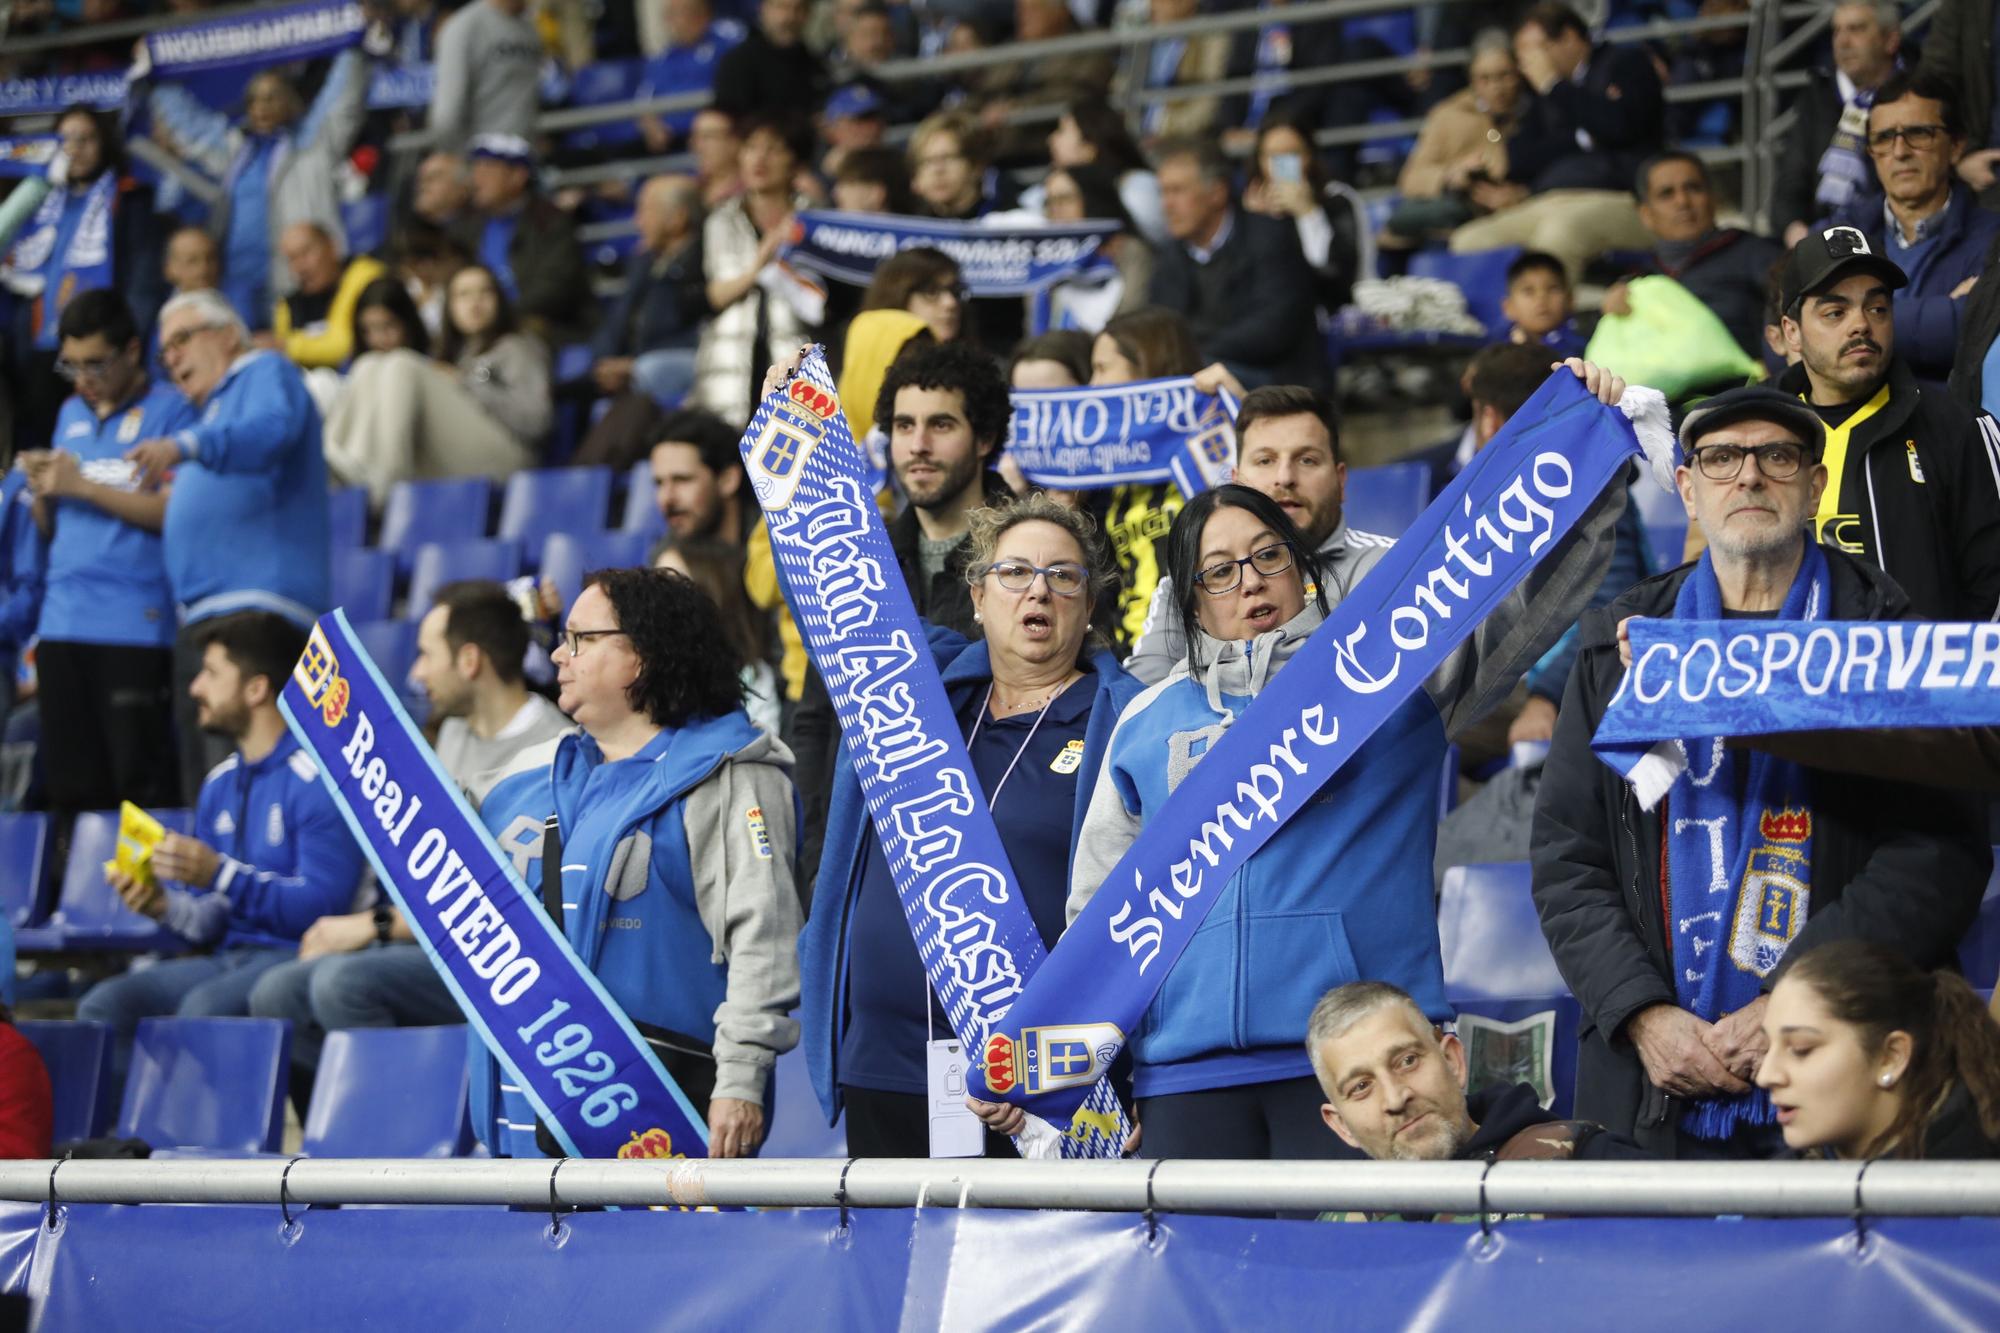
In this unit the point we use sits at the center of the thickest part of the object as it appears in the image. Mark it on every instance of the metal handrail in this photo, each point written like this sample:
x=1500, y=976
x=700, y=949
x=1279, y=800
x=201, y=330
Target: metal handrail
x=1663, y=1189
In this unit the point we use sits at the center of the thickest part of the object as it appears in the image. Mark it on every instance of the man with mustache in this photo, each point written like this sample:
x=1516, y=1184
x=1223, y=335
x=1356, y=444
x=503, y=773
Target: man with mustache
x=1913, y=479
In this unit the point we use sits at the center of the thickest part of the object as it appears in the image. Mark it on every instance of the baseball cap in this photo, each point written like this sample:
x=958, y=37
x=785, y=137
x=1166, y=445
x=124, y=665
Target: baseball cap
x=1823, y=257
x=856, y=99
x=1758, y=402
x=509, y=148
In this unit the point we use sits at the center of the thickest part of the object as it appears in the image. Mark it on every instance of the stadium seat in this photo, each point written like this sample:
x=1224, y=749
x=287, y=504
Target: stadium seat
x=392, y=645
x=567, y=557
x=448, y=510
x=347, y=516
x=78, y=1056
x=798, y=1126
x=601, y=83
x=542, y=501
x=1394, y=32
x=1979, y=951
x=208, y=1083
x=642, y=507
x=439, y=563
x=1665, y=521
x=1497, y=964
x=90, y=914
x=1481, y=275
x=363, y=581
x=389, y=1092
x=1386, y=500
x=24, y=881
x=366, y=222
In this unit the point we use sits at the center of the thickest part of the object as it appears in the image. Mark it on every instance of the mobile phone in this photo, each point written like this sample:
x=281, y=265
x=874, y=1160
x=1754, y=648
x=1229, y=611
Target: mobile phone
x=1288, y=167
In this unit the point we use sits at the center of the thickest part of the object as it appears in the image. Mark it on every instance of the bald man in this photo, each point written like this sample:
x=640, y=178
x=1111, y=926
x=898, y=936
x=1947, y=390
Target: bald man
x=314, y=326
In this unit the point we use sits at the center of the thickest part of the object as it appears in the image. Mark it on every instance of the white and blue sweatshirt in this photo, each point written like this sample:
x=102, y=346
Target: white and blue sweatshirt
x=288, y=858
x=246, y=525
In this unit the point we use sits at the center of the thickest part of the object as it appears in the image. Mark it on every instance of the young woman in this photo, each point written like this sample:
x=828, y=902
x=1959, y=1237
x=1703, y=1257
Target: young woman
x=924, y=282
x=1116, y=279
x=1093, y=133
x=1288, y=181
x=1871, y=1056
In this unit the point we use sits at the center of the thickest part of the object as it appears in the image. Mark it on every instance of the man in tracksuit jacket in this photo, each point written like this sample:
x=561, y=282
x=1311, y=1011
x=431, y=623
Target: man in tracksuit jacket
x=246, y=525
x=1913, y=483
x=269, y=855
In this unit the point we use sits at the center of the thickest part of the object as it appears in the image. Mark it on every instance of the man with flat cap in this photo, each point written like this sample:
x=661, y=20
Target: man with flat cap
x=1912, y=478
x=1671, y=924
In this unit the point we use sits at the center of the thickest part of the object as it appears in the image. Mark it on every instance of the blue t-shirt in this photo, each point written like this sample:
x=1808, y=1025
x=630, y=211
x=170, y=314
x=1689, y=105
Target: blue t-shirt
x=107, y=579
x=494, y=243
x=887, y=990
x=689, y=69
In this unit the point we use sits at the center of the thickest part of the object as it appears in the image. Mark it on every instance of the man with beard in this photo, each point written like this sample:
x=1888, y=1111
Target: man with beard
x=698, y=477
x=1911, y=476
x=269, y=855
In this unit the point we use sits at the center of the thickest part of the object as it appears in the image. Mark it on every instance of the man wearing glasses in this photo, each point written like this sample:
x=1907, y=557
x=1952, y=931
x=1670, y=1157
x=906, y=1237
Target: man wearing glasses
x=107, y=619
x=1740, y=865
x=1913, y=480
x=1925, y=220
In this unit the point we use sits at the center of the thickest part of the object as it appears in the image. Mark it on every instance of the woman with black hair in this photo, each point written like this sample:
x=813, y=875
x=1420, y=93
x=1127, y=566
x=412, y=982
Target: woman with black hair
x=1287, y=180
x=675, y=836
x=479, y=412
x=1118, y=275
x=1872, y=1056
x=1092, y=132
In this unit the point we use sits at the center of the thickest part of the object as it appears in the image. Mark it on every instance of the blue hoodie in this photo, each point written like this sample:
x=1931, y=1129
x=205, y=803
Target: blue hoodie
x=824, y=947
x=246, y=526
x=288, y=858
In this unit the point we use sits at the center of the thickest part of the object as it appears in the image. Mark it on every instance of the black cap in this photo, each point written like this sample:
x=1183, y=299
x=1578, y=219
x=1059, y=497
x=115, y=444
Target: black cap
x=1754, y=402
x=1822, y=258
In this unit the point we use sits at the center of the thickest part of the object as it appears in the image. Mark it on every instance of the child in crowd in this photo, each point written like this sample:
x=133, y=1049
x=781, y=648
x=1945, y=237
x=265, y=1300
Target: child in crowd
x=1538, y=305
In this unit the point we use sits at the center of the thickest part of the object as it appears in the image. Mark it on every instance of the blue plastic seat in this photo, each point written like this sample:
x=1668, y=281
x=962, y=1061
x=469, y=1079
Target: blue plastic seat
x=601, y=83
x=24, y=881
x=1395, y=31
x=363, y=581
x=1979, y=951
x=447, y=510
x=439, y=563
x=90, y=915
x=798, y=1126
x=366, y=222
x=1386, y=500
x=1664, y=518
x=392, y=645
x=1481, y=275
x=78, y=1057
x=347, y=516
x=567, y=557
x=208, y=1083
x=1497, y=963
x=642, y=506
x=390, y=1092
x=542, y=501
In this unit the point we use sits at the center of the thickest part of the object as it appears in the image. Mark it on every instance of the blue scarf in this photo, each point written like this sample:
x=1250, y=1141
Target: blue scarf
x=1739, y=855
x=266, y=37
x=1141, y=433
x=53, y=96
x=84, y=263
x=1844, y=168
x=992, y=260
x=27, y=155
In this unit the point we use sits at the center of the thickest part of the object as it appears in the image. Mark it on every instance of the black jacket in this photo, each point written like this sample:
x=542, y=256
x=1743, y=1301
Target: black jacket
x=1900, y=865
x=1619, y=104
x=1505, y=1115
x=664, y=304
x=1960, y=44
x=1920, y=496
x=1251, y=305
x=548, y=269
x=757, y=76
x=1978, y=326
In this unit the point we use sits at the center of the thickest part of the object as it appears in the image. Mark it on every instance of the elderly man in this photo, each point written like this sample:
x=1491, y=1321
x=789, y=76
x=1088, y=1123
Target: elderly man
x=1924, y=218
x=1396, y=1089
x=1645, y=909
x=246, y=524
x=1824, y=165
x=314, y=326
x=528, y=243
x=1910, y=479
x=1726, y=268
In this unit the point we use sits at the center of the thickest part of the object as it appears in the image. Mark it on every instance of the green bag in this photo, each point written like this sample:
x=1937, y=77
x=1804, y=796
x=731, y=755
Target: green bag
x=1670, y=342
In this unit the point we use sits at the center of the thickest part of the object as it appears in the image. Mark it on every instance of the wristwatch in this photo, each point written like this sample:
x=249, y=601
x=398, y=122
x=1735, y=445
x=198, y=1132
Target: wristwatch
x=385, y=917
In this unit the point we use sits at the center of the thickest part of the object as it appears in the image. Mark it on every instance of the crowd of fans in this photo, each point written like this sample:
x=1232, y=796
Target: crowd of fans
x=186, y=382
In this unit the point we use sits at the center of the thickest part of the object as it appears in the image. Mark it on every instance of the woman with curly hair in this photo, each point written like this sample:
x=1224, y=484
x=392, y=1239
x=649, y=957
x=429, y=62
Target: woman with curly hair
x=674, y=831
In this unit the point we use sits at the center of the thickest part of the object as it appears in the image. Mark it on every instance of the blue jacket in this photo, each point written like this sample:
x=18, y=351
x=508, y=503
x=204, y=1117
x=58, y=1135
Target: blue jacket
x=288, y=858
x=23, y=559
x=246, y=526
x=1926, y=316
x=824, y=946
x=679, y=943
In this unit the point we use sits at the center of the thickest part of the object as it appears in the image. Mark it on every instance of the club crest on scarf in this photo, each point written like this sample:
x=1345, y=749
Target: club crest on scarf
x=1776, y=892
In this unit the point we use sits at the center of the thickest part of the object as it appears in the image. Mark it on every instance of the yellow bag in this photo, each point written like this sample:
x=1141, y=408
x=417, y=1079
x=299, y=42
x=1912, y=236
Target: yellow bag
x=138, y=834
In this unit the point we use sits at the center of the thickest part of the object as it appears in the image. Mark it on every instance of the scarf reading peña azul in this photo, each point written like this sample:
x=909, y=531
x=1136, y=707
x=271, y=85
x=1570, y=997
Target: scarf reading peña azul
x=1140, y=433
x=1478, y=539
x=972, y=929
x=1739, y=849
x=993, y=260
x=592, y=1078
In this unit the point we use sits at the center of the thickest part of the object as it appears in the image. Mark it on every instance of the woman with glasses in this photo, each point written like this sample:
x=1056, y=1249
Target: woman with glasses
x=1035, y=698
x=674, y=833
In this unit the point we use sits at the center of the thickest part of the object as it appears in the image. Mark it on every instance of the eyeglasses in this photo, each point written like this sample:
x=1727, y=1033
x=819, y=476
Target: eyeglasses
x=95, y=368
x=1919, y=137
x=956, y=291
x=1778, y=462
x=173, y=342
x=1064, y=580
x=1225, y=575
x=575, y=639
